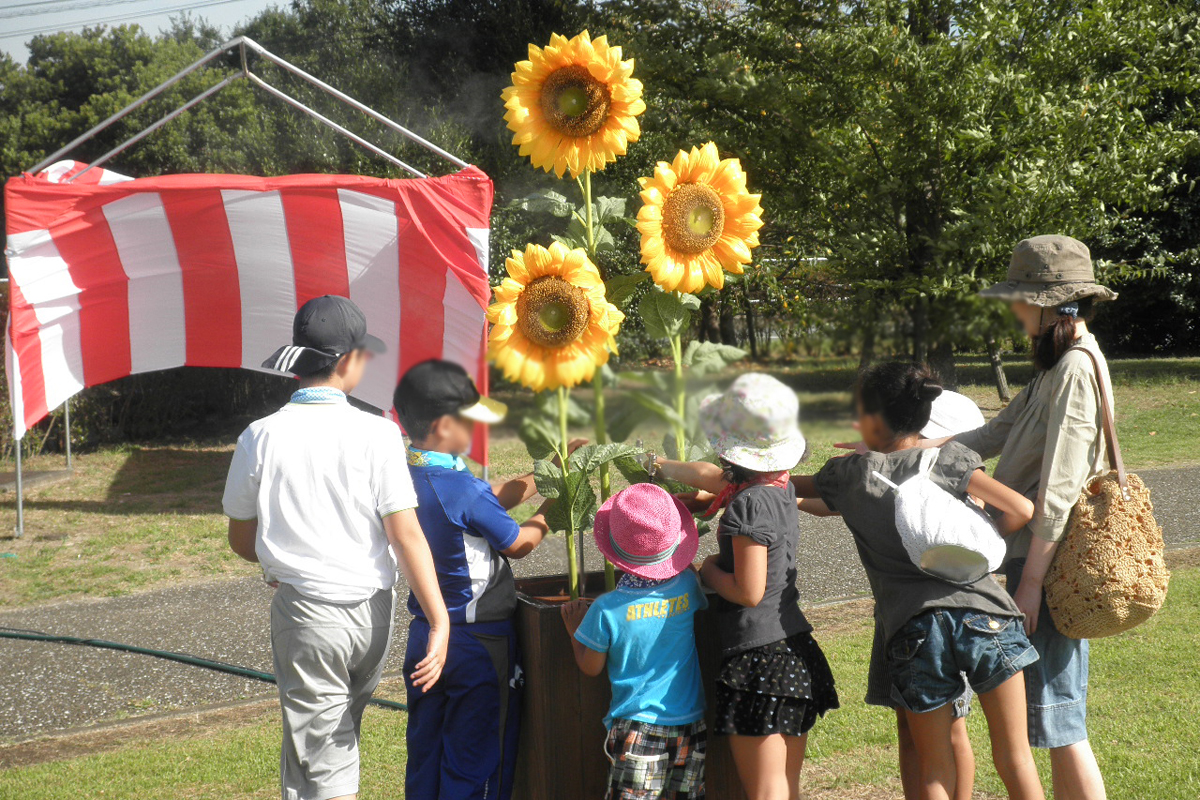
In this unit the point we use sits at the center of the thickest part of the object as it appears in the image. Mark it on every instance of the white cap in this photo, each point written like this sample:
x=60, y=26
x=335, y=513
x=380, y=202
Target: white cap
x=952, y=414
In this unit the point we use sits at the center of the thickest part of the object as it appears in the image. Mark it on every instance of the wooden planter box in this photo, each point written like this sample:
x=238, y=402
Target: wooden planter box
x=562, y=727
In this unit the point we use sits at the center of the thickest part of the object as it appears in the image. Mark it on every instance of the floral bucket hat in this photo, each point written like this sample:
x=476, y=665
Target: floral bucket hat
x=1049, y=271
x=755, y=424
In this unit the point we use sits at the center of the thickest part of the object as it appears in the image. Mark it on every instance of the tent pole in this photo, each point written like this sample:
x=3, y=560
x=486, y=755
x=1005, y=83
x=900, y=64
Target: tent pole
x=343, y=131
x=142, y=134
x=20, y=491
x=150, y=95
x=350, y=101
x=67, y=427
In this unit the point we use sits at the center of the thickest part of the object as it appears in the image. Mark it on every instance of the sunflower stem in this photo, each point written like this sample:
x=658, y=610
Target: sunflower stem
x=572, y=558
x=610, y=573
x=680, y=398
x=589, y=225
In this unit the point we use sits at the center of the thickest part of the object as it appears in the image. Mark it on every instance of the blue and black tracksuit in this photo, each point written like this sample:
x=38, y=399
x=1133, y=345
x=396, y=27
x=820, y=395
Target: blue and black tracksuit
x=462, y=731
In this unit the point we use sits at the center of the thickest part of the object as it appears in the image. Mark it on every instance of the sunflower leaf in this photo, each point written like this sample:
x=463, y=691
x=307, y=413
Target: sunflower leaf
x=589, y=457
x=656, y=406
x=568, y=241
x=701, y=358
x=548, y=478
x=623, y=417
x=621, y=288
x=664, y=314
x=607, y=209
x=545, y=201
x=539, y=436
x=575, y=506
x=632, y=470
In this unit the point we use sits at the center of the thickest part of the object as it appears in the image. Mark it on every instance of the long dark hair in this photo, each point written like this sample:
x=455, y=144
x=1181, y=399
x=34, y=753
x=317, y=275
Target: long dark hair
x=902, y=392
x=1058, y=337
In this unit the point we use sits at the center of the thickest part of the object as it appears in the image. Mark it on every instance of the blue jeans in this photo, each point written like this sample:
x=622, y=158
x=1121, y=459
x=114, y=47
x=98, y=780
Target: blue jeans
x=1057, y=684
x=927, y=657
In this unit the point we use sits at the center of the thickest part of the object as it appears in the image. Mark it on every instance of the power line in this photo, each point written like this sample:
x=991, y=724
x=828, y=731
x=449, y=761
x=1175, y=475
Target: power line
x=72, y=5
x=122, y=18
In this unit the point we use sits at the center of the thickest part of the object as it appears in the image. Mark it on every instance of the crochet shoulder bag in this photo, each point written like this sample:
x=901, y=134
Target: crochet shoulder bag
x=1108, y=574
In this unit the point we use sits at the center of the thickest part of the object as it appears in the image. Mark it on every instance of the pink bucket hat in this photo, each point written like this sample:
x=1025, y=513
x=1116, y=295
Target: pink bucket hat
x=647, y=532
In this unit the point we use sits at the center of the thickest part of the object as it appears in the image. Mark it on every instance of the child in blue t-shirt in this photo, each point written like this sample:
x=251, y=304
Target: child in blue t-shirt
x=643, y=632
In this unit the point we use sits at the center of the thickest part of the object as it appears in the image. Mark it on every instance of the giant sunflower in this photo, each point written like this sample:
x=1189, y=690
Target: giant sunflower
x=551, y=324
x=573, y=105
x=697, y=220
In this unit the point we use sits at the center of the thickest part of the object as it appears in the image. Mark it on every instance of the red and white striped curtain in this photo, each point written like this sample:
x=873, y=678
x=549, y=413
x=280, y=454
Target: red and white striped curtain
x=112, y=276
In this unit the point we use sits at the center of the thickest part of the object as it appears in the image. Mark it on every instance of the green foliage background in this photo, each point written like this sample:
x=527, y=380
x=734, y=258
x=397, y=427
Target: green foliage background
x=902, y=146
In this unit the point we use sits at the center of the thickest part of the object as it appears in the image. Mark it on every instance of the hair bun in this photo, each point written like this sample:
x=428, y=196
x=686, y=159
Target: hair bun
x=928, y=389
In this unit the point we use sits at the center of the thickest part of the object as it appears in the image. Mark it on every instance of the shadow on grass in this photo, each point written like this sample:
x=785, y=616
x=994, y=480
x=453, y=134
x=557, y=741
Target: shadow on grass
x=153, y=480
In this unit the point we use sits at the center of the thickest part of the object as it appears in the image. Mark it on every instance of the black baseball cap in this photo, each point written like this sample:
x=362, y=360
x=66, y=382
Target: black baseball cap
x=324, y=329
x=435, y=388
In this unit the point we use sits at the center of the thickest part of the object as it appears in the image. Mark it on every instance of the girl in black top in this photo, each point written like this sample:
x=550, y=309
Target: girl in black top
x=774, y=681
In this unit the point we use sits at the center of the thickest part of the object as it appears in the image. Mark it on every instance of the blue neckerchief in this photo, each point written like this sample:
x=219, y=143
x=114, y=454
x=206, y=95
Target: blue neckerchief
x=431, y=458
x=631, y=581
x=318, y=394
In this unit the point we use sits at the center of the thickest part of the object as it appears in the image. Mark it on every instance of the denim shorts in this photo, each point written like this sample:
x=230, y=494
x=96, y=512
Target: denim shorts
x=1057, y=685
x=879, y=681
x=928, y=655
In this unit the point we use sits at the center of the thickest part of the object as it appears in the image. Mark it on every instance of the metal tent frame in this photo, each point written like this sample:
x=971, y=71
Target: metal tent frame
x=243, y=45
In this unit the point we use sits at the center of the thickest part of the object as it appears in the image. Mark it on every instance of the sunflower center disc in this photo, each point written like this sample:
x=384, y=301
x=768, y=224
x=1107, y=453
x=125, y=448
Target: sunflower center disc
x=574, y=102
x=552, y=312
x=693, y=218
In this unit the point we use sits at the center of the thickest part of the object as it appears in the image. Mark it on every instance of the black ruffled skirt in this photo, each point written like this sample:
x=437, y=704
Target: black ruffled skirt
x=782, y=687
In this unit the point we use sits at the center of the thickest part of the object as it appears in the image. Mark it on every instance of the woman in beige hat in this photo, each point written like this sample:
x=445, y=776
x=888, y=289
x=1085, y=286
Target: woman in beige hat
x=1051, y=444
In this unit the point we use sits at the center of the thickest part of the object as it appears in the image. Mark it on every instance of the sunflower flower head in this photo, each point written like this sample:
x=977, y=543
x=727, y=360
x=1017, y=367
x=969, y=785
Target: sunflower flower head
x=573, y=105
x=697, y=220
x=551, y=324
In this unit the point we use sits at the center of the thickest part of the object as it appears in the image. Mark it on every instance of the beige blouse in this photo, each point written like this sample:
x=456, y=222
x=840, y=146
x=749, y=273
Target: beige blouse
x=1051, y=442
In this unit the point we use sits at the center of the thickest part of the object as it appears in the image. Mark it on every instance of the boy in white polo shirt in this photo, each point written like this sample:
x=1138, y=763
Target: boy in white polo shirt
x=319, y=494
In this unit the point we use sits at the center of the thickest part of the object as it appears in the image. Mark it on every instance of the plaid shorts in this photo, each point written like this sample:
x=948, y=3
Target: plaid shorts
x=655, y=762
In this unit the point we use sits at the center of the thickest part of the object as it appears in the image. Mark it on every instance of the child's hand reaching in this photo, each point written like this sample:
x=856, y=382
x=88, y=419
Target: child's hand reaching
x=696, y=502
x=573, y=614
x=572, y=446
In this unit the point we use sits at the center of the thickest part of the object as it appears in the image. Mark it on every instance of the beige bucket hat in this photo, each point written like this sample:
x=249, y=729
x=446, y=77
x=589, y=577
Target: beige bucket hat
x=1048, y=271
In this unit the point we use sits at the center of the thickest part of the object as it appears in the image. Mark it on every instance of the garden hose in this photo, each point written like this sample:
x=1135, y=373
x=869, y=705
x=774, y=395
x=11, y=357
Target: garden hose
x=182, y=658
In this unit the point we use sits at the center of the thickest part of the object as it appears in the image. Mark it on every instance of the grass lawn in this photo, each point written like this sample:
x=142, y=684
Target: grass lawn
x=1143, y=713
x=134, y=516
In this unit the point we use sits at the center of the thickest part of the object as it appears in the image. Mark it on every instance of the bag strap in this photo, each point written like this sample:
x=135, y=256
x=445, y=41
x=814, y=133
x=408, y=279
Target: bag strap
x=1109, y=422
x=928, y=459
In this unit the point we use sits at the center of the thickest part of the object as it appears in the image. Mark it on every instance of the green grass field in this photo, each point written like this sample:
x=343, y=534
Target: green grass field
x=1143, y=712
x=134, y=516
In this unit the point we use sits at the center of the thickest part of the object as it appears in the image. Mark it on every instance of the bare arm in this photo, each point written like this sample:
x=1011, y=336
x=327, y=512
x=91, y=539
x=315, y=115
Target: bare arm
x=1016, y=510
x=514, y=491
x=700, y=474
x=805, y=486
x=747, y=584
x=416, y=564
x=815, y=507
x=533, y=530
x=242, y=536
x=1029, y=593
x=511, y=493
x=590, y=662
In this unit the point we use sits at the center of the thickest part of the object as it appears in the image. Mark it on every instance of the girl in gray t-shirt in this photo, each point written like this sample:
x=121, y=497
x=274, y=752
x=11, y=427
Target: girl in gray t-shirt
x=774, y=682
x=935, y=629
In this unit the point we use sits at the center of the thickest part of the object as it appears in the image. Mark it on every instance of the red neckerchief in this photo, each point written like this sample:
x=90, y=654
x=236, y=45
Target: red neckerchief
x=776, y=479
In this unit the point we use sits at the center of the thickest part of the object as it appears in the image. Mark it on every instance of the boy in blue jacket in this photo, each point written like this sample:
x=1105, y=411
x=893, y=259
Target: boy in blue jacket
x=462, y=732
